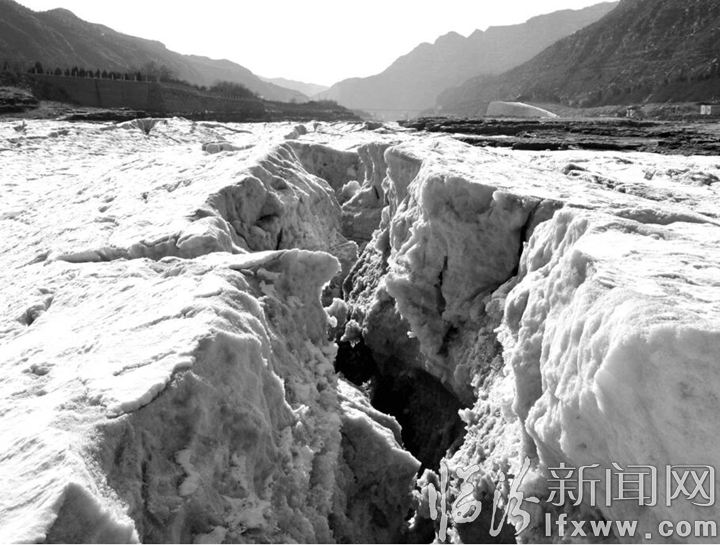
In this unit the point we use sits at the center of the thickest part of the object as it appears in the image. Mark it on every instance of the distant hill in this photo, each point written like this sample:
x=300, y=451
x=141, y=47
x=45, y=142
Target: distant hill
x=413, y=82
x=643, y=51
x=308, y=89
x=58, y=38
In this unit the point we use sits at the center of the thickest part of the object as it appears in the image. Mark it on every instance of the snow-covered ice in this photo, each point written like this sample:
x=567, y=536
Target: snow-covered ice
x=166, y=350
x=166, y=370
x=598, y=274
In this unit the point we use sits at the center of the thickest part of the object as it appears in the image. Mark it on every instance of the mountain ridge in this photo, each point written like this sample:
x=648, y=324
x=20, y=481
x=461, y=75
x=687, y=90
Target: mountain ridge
x=413, y=81
x=309, y=89
x=643, y=51
x=59, y=38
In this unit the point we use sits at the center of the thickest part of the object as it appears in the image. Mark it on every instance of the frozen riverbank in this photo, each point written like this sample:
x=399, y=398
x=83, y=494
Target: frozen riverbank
x=175, y=321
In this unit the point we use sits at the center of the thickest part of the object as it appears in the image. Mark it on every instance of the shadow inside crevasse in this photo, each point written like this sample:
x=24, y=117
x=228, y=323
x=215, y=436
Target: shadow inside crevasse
x=424, y=408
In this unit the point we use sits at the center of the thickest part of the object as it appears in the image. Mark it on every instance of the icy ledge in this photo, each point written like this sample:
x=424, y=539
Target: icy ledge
x=570, y=302
x=166, y=373
x=612, y=337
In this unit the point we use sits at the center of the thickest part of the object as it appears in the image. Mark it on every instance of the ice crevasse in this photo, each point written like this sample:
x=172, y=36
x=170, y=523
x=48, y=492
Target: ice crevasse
x=576, y=319
x=170, y=347
x=167, y=369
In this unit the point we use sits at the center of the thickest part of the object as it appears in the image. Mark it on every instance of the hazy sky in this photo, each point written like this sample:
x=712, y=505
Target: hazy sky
x=317, y=41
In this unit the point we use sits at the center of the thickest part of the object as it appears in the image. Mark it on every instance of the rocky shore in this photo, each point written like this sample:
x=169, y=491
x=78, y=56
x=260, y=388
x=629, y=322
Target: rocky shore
x=608, y=134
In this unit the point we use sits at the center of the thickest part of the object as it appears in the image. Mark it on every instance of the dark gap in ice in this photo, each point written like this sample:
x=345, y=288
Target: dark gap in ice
x=478, y=531
x=355, y=362
x=424, y=408
x=426, y=411
x=422, y=530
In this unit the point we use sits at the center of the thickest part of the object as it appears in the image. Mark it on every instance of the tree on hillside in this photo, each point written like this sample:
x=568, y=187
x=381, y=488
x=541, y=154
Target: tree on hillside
x=152, y=71
x=37, y=68
x=233, y=89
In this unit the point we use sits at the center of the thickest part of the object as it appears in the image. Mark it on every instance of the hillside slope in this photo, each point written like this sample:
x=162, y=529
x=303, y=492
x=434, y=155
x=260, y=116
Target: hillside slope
x=308, y=89
x=643, y=51
x=413, y=82
x=58, y=38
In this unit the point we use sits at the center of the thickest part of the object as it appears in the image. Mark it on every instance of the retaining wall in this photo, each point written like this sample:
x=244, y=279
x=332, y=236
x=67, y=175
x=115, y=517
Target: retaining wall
x=102, y=93
x=154, y=97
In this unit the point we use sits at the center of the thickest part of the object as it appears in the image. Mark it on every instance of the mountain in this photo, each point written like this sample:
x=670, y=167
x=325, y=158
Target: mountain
x=308, y=89
x=412, y=83
x=58, y=38
x=643, y=51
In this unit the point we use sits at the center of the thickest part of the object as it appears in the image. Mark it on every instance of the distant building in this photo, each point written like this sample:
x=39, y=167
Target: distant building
x=710, y=109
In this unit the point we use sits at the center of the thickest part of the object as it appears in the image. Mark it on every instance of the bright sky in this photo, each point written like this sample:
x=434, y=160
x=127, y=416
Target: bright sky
x=316, y=41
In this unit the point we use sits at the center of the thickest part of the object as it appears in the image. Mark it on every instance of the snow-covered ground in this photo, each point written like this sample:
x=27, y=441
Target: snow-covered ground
x=166, y=363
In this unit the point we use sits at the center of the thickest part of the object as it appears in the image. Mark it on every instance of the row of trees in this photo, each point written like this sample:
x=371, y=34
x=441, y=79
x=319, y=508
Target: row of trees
x=150, y=71
x=76, y=72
